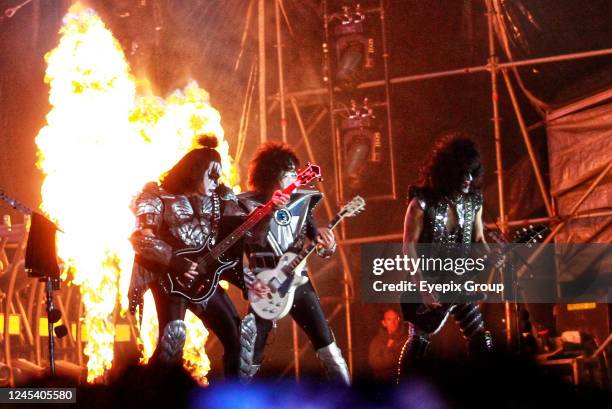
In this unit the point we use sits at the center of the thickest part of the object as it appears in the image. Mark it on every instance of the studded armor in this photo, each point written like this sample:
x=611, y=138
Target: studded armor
x=436, y=217
x=467, y=316
x=166, y=222
x=285, y=230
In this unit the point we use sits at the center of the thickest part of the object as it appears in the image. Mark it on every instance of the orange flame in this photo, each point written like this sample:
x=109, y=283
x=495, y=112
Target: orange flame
x=101, y=144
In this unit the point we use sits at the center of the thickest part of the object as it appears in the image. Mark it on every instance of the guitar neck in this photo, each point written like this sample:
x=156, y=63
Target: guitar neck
x=257, y=216
x=15, y=204
x=308, y=250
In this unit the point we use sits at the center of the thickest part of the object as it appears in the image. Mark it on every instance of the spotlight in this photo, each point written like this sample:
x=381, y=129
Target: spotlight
x=362, y=142
x=354, y=50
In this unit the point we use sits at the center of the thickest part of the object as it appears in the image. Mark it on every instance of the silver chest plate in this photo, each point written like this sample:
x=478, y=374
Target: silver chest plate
x=190, y=226
x=288, y=224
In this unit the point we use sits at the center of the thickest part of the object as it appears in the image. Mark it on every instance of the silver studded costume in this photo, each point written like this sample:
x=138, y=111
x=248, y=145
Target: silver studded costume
x=167, y=222
x=248, y=335
x=286, y=231
x=468, y=316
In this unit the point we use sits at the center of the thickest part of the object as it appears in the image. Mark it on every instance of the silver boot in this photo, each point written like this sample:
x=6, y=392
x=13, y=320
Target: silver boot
x=248, y=334
x=334, y=363
x=170, y=348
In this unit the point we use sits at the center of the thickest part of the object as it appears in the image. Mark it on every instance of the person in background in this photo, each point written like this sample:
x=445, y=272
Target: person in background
x=386, y=346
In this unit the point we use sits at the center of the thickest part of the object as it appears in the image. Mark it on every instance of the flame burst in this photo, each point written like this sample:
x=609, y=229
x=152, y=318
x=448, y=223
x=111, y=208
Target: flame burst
x=102, y=142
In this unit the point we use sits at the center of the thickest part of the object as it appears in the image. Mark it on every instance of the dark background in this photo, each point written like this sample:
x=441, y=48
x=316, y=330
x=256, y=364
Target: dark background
x=201, y=40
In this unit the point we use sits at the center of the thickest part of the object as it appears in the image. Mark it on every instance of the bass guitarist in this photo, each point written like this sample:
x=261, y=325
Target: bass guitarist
x=445, y=207
x=274, y=167
x=185, y=210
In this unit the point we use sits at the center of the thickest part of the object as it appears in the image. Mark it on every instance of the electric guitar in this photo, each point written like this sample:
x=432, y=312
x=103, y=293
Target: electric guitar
x=431, y=320
x=283, y=280
x=210, y=260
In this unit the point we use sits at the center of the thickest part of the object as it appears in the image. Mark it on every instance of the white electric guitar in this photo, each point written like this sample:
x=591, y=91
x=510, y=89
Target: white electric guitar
x=283, y=280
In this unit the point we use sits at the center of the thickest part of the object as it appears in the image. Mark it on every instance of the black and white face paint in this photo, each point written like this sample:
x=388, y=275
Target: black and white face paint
x=467, y=182
x=210, y=180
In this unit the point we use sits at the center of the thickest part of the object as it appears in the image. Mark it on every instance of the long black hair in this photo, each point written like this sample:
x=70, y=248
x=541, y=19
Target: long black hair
x=268, y=164
x=454, y=155
x=187, y=174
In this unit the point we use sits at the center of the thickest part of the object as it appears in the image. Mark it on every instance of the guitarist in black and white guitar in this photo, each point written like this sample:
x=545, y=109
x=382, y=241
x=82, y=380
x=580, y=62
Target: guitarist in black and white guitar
x=445, y=207
x=273, y=167
x=185, y=211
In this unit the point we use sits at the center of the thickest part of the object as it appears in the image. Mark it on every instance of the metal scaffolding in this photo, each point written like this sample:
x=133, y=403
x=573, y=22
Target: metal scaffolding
x=22, y=303
x=26, y=303
x=493, y=67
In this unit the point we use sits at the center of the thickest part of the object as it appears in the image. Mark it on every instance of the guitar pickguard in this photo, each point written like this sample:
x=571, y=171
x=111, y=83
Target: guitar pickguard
x=204, y=284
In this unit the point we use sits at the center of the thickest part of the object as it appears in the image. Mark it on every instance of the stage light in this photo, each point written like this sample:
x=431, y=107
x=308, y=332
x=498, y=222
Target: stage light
x=361, y=139
x=354, y=50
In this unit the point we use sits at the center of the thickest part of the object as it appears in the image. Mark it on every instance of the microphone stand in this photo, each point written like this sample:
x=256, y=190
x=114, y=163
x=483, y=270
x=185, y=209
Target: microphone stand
x=50, y=309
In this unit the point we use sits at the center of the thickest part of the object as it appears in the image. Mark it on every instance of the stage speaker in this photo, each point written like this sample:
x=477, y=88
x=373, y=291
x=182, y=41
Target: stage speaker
x=40, y=257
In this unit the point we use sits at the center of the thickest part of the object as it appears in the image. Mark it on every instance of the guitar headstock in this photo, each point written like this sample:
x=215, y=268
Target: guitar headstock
x=530, y=235
x=527, y=235
x=354, y=207
x=307, y=175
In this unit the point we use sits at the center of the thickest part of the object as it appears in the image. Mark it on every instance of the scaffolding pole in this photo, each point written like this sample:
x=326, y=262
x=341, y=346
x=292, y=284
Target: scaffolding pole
x=525, y=134
x=456, y=71
x=281, y=70
x=261, y=26
x=346, y=268
x=513, y=223
x=493, y=66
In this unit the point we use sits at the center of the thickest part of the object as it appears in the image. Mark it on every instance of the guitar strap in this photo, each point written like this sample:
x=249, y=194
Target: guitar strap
x=468, y=217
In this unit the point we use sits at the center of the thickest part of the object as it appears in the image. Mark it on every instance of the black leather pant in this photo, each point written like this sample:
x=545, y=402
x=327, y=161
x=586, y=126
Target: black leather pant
x=471, y=323
x=307, y=313
x=218, y=315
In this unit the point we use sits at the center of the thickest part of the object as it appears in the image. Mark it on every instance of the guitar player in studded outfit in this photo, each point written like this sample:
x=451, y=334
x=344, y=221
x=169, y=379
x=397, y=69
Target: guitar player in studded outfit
x=273, y=167
x=183, y=211
x=445, y=207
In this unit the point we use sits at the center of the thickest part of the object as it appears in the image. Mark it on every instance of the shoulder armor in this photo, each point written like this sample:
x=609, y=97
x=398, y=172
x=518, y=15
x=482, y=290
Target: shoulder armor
x=308, y=192
x=477, y=200
x=226, y=193
x=416, y=193
x=249, y=200
x=422, y=203
x=314, y=195
x=148, y=201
